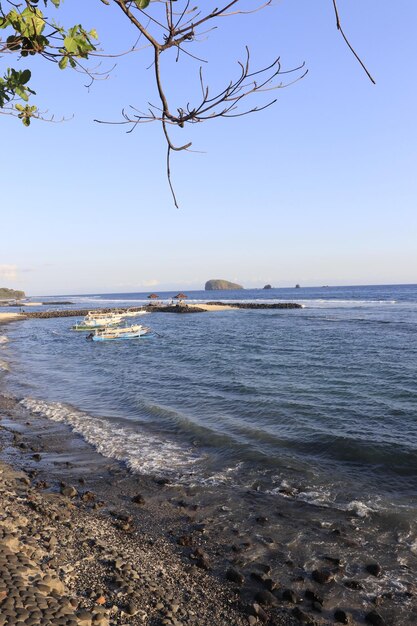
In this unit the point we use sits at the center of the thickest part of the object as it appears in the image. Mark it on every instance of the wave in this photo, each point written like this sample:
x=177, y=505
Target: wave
x=324, y=497
x=143, y=453
x=3, y=339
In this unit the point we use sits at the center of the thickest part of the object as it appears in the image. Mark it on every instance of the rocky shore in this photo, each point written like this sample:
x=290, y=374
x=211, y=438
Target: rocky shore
x=77, y=551
x=84, y=542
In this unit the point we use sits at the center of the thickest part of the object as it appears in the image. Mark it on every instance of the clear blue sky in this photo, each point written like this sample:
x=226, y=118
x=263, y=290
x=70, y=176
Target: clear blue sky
x=319, y=189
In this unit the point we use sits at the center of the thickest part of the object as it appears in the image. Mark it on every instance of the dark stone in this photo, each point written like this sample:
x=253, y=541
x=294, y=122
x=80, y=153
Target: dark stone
x=322, y=576
x=257, y=611
x=235, y=576
x=289, y=596
x=36, y=456
x=262, y=519
x=270, y=584
x=375, y=619
x=201, y=559
x=300, y=615
x=268, y=286
x=185, y=540
x=138, y=499
x=353, y=584
x=88, y=496
x=260, y=578
x=313, y=597
x=131, y=609
x=202, y=563
x=341, y=616
x=69, y=491
x=374, y=569
x=265, y=598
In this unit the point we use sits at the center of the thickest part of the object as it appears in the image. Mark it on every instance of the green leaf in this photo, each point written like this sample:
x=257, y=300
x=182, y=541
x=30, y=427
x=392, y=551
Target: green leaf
x=13, y=43
x=25, y=77
x=20, y=91
x=63, y=63
x=31, y=22
x=142, y=4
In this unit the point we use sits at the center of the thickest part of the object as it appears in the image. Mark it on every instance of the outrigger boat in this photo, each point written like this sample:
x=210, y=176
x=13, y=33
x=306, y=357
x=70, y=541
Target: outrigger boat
x=96, y=324
x=96, y=320
x=130, y=313
x=125, y=332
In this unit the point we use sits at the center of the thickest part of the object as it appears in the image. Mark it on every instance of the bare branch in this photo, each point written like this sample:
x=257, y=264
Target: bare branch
x=339, y=28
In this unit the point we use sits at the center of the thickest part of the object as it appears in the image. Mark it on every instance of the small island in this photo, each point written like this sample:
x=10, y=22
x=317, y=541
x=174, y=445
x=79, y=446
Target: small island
x=268, y=286
x=217, y=284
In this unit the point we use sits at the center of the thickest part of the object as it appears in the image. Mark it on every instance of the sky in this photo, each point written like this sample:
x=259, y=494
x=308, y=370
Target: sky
x=318, y=189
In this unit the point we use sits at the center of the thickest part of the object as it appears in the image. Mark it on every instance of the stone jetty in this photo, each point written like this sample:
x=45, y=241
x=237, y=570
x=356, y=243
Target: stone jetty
x=153, y=308
x=259, y=305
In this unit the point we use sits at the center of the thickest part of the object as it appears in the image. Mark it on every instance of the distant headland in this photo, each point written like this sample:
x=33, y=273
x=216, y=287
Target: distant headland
x=215, y=283
x=11, y=294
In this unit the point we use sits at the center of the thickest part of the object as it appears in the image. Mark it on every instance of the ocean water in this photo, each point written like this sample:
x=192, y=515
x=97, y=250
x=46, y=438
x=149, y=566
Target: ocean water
x=318, y=402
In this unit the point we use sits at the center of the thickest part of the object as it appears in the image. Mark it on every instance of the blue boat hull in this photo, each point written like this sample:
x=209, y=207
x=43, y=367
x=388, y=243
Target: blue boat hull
x=122, y=338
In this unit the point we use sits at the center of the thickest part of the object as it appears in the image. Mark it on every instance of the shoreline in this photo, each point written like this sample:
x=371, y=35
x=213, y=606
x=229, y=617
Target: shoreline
x=145, y=556
x=221, y=560
x=10, y=317
x=230, y=564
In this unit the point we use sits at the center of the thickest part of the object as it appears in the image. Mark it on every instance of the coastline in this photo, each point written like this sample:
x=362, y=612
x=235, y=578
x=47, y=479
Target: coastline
x=102, y=546
x=10, y=317
x=221, y=566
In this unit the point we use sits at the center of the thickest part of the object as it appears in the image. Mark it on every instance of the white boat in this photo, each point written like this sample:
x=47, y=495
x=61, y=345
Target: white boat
x=124, y=332
x=95, y=321
x=130, y=313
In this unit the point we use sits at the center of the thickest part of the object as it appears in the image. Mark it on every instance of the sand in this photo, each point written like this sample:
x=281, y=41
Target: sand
x=210, y=307
x=9, y=317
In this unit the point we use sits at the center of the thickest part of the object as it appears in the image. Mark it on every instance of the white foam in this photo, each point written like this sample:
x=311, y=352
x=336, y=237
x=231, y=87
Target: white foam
x=3, y=339
x=4, y=366
x=142, y=452
x=360, y=509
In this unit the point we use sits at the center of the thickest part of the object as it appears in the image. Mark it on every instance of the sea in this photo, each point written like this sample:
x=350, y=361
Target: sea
x=327, y=392
x=317, y=404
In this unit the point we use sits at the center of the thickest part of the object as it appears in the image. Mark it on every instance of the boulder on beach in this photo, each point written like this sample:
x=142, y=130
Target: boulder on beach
x=217, y=283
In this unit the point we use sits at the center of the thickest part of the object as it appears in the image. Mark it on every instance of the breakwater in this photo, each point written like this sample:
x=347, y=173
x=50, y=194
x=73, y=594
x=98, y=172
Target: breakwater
x=258, y=305
x=154, y=308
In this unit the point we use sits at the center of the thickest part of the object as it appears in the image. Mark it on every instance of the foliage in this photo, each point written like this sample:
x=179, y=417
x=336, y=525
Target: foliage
x=28, y=32
x=165, y=27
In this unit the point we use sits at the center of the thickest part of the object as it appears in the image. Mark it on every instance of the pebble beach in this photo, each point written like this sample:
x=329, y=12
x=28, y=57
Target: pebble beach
x=91, y=550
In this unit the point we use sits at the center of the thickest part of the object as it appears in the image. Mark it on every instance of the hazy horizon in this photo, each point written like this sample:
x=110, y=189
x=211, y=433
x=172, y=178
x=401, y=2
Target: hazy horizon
x=180, y=287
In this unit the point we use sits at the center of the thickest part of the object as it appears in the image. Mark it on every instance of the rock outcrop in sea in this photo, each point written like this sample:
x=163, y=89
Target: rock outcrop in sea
x=268, y=286
x=217, y=283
